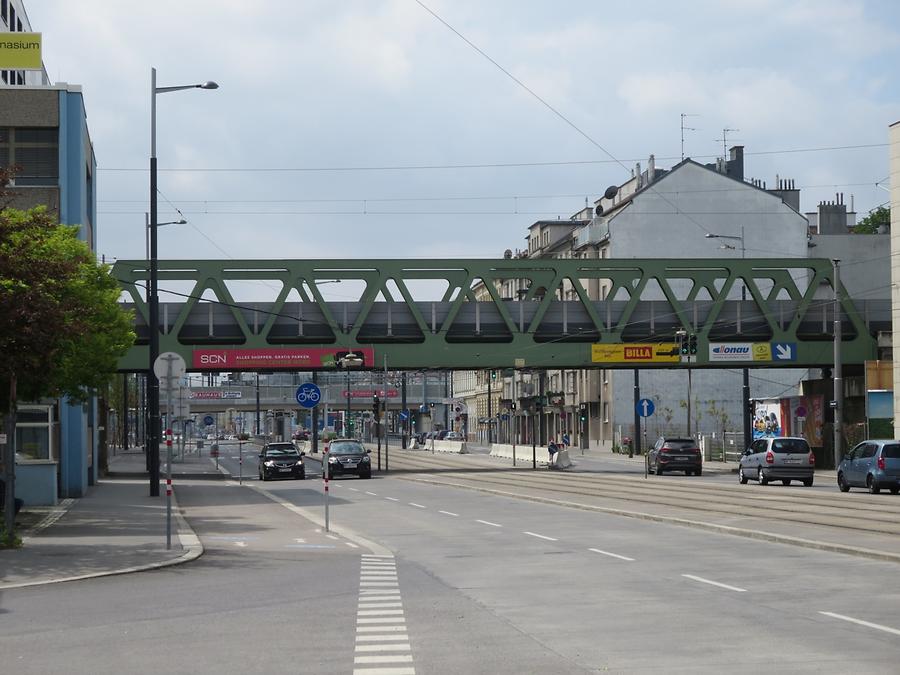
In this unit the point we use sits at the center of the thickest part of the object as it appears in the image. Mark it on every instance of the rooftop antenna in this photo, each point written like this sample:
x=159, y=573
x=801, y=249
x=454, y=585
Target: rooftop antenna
x=684, y=128
x=724, y=140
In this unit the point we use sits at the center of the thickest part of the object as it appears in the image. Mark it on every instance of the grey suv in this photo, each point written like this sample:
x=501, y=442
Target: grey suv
x=778, y=458
x=675, y=454
x=872, y=464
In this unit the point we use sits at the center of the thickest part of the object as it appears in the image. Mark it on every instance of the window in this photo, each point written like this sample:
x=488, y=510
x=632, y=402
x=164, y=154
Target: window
x=868, y=451
x=605, y=412
x=34, y=151
x=891, y=451
x=790, y=445
x=35, y=431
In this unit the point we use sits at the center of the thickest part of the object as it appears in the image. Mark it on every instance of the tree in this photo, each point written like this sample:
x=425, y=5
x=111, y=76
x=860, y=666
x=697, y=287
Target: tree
x=62, y=330
x=877, y=218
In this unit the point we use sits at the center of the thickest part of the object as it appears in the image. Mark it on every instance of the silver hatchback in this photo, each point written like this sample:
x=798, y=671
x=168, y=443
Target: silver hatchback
x=778, y=458
x=873, y=464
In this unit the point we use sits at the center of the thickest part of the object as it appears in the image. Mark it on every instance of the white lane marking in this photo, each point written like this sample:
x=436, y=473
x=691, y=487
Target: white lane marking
x=379, y=584
x=715, y=583
x=384, y=671
x=381, y=629
x=449, y=513
x=611, y=555
x=351, y=544
x=392, y=499
x=393, y=620
x=371, y=493
x=418, y=506
x=379, y=612
x=867, y=624
x=331, y=536
x=242, y=544
x=353, y=489
x=379, y=605
x=487, y=522
x=383, y=648
x=300, y=541
x=540, y=536
x=377, y=557
x=398, y=637
x=394, y=658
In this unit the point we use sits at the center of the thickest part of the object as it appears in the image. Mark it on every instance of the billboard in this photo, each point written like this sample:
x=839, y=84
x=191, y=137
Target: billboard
x=634, y=352
x=275, y=358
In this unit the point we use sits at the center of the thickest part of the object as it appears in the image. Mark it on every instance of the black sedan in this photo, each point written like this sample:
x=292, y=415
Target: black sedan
x=281, y=460
x=346, y=456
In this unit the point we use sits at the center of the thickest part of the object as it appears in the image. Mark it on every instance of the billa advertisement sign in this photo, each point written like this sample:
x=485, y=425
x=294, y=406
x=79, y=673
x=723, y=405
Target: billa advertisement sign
x=20, y=51
x=665, y=352
x=277, y=358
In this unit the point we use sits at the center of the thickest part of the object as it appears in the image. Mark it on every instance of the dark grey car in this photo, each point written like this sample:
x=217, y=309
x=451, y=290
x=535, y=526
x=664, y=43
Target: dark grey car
x=778, y=458
x=675, y=454
x=873, y=464
x=281, y=460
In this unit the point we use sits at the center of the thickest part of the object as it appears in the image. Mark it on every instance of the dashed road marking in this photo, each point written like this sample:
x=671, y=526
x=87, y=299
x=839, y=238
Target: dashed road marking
x=611, y=555
x=392, y=499
x=487, y=522
x=418, y=506
x=860, y=622
x=715, y=583
x=449, y=513
x=539, y=536
x=374, y=494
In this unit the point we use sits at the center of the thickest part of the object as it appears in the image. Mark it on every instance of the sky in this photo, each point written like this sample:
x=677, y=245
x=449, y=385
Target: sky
x=444, y=128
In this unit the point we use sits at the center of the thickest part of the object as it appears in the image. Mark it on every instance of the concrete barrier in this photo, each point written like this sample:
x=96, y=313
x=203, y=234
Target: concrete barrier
x=561, y=460
x=523, y=452
x=455, y=447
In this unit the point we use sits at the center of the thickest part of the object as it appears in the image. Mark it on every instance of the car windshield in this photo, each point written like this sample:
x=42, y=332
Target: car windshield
x=679, y=444
x=346, y=449
x=790, y=445
x=891, y=451
x=282, y=453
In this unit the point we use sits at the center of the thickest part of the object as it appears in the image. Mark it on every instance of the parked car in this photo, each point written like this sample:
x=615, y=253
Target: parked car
x=281, y=460
x=873, y=464
x=675, y=454
x=301, y=435
x=778, y=458
x=348, y=456
x=453, y=436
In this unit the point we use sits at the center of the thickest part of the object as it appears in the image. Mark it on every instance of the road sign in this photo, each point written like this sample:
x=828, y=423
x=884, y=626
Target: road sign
x=168, y=368
x=800, y=411
x=209, y=419
x=404, y=414
x=308, y=395
x=645, y=407
x=784, y=351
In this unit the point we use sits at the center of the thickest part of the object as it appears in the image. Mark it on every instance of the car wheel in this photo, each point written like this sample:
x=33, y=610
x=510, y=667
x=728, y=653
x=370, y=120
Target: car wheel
x=659, y=470
x=807, y=482
x=302, y=476
x=872, y=485
x=263, y=477
x=895, y=490
x=366, y=475
x=843, y=484
x=741, y=476
x=785, y=481
x=698, y=472
x=762, y=479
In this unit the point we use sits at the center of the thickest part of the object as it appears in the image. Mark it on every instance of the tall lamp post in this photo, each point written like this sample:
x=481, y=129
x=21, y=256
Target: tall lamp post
x=350, y=360
x=748, y=431
x=153, y=398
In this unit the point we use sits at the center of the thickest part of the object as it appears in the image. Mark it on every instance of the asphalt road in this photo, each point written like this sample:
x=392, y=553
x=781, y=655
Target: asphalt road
x=467, y=581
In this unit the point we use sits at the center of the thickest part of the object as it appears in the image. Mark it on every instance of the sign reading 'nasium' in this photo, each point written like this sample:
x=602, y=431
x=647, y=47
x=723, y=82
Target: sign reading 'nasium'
x=20, y=51
x=665, y=352
x=275, y=358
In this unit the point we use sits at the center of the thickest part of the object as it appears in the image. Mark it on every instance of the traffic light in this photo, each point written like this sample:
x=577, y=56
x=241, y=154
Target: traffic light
x=375, y=404
x=682, y=342
x=583, y=413
x=692, y=344
x=493, y=374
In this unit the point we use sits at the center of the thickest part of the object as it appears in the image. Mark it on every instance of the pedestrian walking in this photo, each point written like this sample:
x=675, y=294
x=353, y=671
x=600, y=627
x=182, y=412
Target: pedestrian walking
x=565, y=441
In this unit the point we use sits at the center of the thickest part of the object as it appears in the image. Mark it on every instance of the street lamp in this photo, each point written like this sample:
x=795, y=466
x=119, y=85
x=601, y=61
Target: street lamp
x=748, y=431
x=349, y=360
x=153, y=297
x=147, y=232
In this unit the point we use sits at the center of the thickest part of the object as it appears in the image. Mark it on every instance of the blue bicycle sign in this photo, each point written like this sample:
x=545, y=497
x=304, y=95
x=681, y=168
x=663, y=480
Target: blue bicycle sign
x=308, y=395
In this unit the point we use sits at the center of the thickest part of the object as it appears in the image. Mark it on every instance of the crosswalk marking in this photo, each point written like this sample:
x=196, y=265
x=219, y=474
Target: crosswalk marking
x=382, y=641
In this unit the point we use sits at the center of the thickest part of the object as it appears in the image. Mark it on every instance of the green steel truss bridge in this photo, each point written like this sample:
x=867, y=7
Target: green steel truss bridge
x=455, y=314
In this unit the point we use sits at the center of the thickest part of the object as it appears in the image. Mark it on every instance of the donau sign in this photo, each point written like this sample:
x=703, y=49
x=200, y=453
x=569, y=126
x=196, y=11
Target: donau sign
x=275, y=358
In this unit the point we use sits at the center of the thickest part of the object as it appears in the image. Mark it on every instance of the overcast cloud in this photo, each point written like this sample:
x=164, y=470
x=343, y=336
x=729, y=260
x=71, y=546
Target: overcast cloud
x=309, y=84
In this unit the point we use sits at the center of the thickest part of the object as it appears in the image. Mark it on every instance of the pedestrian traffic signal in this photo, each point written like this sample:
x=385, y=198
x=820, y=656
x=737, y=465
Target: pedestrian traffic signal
x=682, y=343
x=583, y=414
x=375, y=404
x=692, y=344
x=493, y=374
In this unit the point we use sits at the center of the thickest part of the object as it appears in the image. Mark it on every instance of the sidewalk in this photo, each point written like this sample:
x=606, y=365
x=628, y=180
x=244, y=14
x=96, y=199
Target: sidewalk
x=115, y=529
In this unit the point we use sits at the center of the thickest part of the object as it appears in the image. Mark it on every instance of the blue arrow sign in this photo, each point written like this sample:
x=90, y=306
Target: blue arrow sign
x=645, y=407
x=308, y=395
x=784, y=351
x=404, y=414
x=209, y=419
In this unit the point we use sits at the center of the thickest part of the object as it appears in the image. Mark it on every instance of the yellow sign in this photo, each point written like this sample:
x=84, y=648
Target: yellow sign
x=666, y=352
x=20, y=51
x=762, y=351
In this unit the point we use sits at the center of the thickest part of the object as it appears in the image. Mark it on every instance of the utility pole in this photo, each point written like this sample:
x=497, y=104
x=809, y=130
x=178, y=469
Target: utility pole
x=405, y=411
x=636, y=441
x=490, y=408
x=838, y=379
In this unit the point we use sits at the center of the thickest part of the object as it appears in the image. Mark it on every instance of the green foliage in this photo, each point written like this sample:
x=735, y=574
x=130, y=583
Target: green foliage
x=10, y=540
x=870, y=224
x=63, y=330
